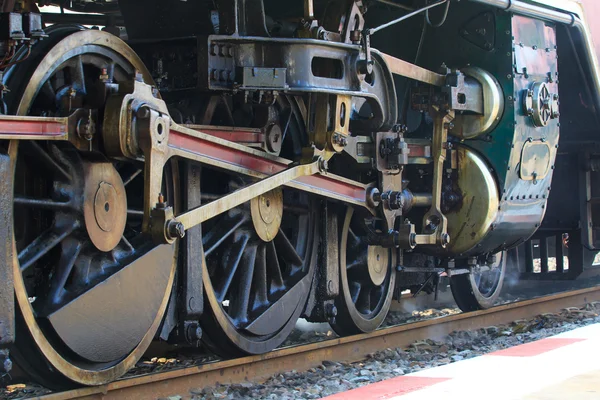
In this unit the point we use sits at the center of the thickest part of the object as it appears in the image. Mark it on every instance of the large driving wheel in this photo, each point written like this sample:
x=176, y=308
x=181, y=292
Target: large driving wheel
x=259, y=257
x=90, y=289
x=367, y=278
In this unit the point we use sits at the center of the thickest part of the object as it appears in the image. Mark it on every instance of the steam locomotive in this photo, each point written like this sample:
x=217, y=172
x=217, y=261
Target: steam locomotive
x=213, y=170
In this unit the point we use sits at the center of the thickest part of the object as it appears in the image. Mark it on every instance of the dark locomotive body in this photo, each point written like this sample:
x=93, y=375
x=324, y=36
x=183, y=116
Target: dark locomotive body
x=364, y=159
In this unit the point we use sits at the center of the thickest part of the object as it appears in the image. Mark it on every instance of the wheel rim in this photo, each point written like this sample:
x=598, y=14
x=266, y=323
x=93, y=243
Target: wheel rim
x=365, y=299
x=70, y=263
x=256, y=287
x=479, y=290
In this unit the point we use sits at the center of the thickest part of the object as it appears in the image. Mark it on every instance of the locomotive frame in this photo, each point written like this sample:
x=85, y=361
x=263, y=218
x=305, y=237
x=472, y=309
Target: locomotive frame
x=220, y=177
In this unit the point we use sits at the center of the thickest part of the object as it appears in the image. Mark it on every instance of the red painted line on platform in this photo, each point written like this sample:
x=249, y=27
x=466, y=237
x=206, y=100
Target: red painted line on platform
x=388, y=388
x=535, y=348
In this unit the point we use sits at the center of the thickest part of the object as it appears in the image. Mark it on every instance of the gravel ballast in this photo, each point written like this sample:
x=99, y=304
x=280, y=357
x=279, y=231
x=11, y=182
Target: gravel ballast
x=334, y=377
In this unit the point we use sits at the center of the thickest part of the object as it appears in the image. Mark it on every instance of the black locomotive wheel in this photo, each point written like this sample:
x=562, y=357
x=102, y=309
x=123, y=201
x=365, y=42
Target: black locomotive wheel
x=91, y=290
x=367, y=279
x=259, y=257
x=479, y=290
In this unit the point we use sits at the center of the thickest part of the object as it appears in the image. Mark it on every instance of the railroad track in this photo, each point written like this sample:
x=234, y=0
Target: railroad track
x=303, y=357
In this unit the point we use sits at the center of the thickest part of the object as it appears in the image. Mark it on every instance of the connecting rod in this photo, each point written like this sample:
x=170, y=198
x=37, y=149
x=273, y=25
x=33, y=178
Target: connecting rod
x=203, y=213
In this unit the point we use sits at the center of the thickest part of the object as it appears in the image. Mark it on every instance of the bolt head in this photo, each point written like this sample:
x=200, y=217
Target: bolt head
x=445, y=239
x=176, y=230
x=331, y=311
x=412, y=240
x=323, y=165
x=6, y=366
x=143, y=112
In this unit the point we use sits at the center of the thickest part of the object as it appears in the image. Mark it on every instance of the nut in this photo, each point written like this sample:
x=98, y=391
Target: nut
x=445, y=239
x=274, y=138
x=5, y=362
x=86, y=128
x=176, y=230
x=331, y=311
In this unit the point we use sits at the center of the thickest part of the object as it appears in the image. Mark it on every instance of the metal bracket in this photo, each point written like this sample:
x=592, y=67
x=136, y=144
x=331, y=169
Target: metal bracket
x=434, y=221
x=336, y=108
x=7, y=291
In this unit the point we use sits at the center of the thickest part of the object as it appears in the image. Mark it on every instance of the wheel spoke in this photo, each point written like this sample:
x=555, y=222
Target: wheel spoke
x=46, y=204
x=295, y=209
x=230, y=263
x=219, y=233
x=353, y=240
x=229, y=112
x=110, y=69
x=377, y=293
x=70, y=253
x=355, y=289
x=240, y=300
x=49, y=91
x=127, y=246
x=49, y=164
x=77, y=74
x=135, y=214
x=259, y=282
x=356, y=263
x=287, y=250
x=208, y=197
x=274, y=269
x=129, y=174
x=363, y=303
x=42, y=245
x=287, y=126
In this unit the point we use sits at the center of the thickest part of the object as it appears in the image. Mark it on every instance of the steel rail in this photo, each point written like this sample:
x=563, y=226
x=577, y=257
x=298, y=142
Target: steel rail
x=301, y=358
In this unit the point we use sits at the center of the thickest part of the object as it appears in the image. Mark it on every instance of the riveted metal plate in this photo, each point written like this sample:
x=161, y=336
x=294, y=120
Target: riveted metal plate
x=535, y=160
x=534, y=48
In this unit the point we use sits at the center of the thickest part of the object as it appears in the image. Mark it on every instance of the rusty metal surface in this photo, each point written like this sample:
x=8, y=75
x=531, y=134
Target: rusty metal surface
x=301, y=358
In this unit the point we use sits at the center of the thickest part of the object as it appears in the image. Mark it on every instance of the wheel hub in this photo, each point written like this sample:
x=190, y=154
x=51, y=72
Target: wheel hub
x=267, y=212
x=105, y=205
x=377, y=261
